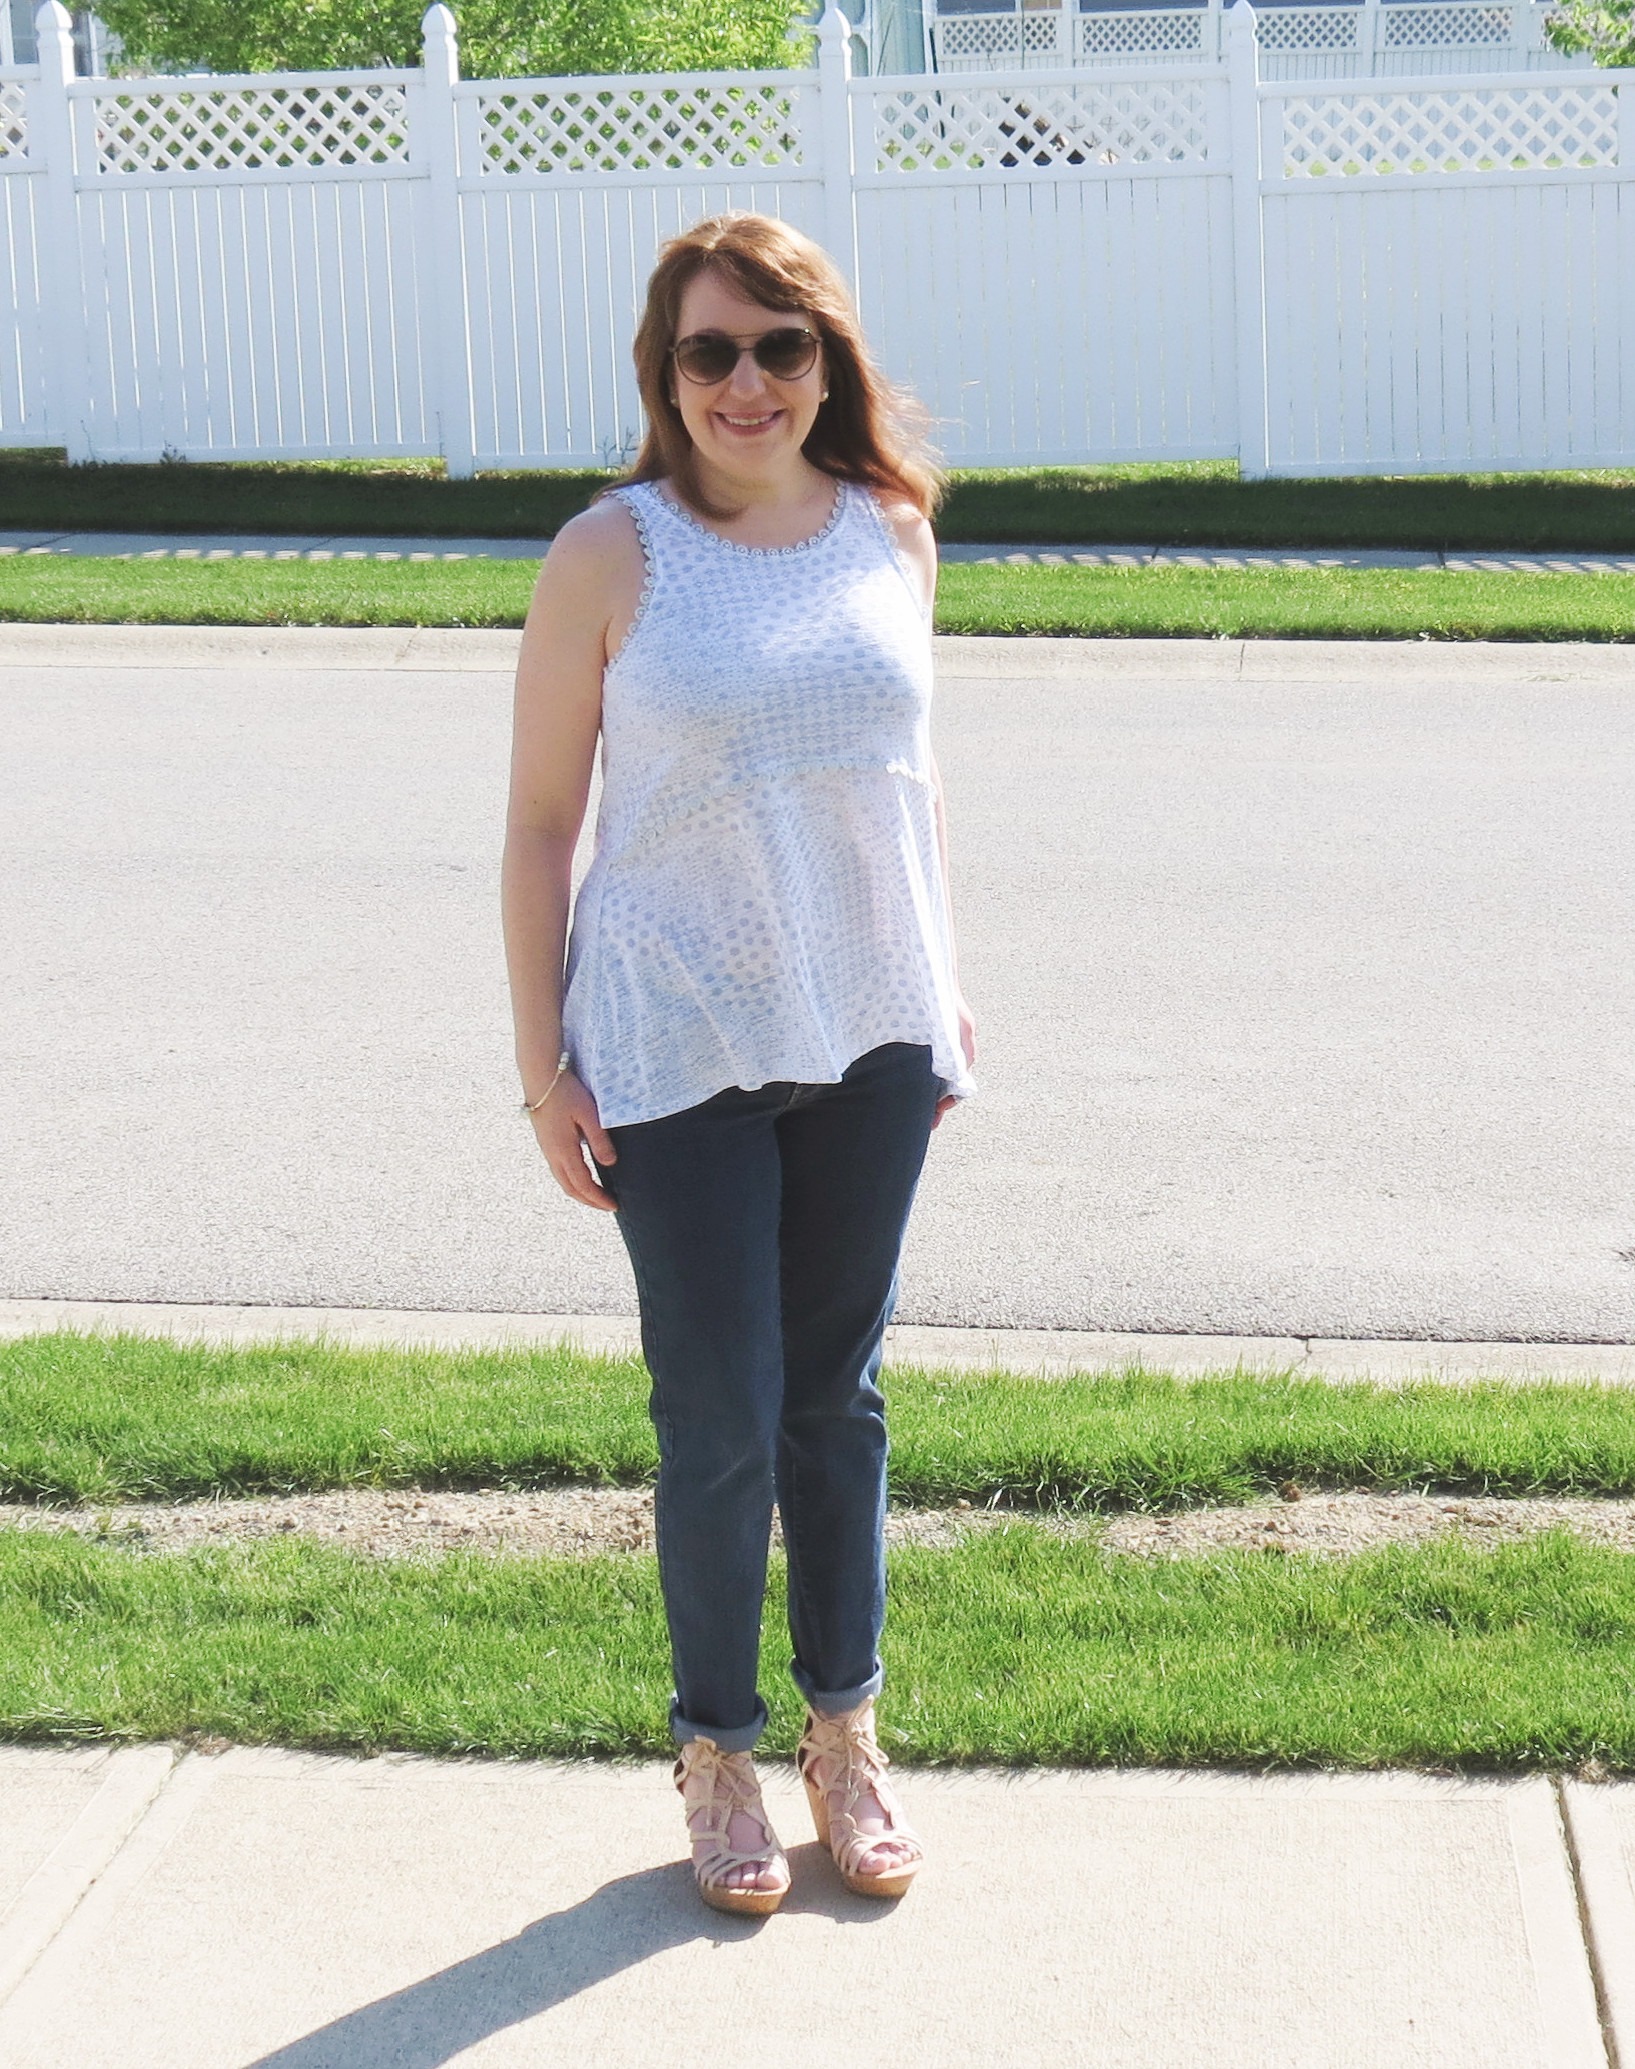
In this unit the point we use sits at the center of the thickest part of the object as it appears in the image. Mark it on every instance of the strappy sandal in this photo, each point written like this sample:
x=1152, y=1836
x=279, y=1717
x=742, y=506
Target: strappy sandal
x=715, y=1787
x=840, y=1761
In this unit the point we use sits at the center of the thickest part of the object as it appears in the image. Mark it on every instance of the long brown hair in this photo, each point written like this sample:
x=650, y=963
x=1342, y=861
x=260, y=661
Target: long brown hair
x=867, y=431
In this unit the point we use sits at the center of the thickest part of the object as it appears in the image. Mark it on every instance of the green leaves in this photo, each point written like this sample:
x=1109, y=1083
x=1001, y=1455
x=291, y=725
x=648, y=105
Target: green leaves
x=1605, y=29
x=549, y=38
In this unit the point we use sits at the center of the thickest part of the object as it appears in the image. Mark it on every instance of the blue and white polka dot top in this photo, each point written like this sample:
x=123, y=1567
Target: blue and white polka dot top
x=766, y=901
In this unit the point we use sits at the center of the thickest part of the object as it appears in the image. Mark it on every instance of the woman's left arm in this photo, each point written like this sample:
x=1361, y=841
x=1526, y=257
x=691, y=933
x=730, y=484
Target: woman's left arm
x=918, y=546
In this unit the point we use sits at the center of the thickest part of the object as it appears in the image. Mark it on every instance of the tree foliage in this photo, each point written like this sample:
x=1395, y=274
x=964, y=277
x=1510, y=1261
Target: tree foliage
x=497, y=41
x=1604, y=28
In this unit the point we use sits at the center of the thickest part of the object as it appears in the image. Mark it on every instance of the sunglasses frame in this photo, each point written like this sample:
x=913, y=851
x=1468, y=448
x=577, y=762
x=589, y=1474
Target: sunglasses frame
x=752, y=348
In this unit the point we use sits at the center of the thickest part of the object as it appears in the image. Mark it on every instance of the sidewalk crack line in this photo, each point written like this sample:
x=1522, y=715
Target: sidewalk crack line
x=136, y=1780
x=1586, y=1926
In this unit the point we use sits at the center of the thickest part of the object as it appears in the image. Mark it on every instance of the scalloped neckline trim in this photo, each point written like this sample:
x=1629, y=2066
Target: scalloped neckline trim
x=696, y=524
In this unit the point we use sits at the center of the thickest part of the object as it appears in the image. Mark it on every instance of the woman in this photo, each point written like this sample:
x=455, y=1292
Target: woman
x=761, y=1021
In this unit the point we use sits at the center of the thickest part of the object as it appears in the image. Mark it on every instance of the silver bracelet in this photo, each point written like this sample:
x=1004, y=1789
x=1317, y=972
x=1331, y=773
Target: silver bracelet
x=549, y=1089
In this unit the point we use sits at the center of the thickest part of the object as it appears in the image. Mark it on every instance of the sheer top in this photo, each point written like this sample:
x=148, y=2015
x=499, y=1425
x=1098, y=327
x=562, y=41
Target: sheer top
x=765, y=901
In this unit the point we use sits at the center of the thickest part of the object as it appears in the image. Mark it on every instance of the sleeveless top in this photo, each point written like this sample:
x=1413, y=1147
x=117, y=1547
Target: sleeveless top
x=765, y=901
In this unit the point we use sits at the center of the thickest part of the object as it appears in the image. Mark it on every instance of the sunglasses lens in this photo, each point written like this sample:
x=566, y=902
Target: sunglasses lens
x=708, y=356
x=704, y=358
x=786, y=354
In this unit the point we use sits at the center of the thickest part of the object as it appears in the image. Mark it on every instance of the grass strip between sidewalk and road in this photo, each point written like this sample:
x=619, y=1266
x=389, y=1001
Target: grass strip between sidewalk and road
x=1007, y=1649
x=95, y=1419
x=1139, y=603
x=1184, y=503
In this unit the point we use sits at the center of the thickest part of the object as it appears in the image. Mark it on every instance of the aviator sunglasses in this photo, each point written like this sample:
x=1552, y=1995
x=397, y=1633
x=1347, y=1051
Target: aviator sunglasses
x=709, y=356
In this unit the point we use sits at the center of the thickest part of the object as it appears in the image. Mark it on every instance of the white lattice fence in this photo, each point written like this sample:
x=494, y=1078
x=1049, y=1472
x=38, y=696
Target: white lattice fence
x=1443, y=27
x=722, y=127
x=256, y=266
x=1138, y=35
x=1332, y=38
x=981, y=42
x=1096, y=214
x=243, y=126
x=1310, y=31
x=1156, y=256
x=1447, y=130
x=13, y=119
x=1466, y=251
x=566, y=189
x=1052, y=124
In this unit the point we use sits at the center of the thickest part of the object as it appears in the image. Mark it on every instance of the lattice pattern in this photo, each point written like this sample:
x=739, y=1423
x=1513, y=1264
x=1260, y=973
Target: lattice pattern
x=322, y=126
x=1499, y=129
x=986, y=42
x=1142, y=32
x=672, y=127
x=1445, y=28
x=13, y=120
x=947, y=128
x=1337, y=34
x=1308, y=28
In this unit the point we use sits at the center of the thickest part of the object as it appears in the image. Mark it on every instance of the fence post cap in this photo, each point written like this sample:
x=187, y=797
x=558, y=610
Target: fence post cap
x=1240, y=18
x=54, y=34
x=440, y=45
x=835, y=23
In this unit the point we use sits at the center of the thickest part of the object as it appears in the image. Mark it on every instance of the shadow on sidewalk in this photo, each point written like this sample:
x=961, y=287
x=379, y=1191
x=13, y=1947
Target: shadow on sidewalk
x=619, y=1925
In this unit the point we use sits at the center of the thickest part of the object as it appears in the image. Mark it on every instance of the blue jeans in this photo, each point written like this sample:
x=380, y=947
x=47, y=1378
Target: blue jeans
x=764, y=1230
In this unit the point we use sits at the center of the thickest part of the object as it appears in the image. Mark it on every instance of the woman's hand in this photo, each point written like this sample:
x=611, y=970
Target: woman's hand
x=967, y=1042
x=564, y=1127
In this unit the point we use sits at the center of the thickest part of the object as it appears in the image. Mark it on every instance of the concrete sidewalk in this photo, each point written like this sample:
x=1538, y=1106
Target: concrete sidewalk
x=253, y=1907
x=317, y=546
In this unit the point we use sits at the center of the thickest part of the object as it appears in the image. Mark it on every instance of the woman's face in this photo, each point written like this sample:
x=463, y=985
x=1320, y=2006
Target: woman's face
x=747, y=423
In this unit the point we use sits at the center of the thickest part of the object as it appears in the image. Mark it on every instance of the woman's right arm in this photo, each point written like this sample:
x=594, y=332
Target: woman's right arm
x=586, y=589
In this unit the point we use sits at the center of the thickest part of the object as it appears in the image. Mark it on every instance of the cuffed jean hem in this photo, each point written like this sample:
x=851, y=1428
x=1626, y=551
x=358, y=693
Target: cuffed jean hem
x=835, y=1702
x=739, y=1739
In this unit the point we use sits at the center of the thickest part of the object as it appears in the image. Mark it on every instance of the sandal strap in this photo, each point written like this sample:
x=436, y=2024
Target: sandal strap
x=715, y=1787
x=842, y=1759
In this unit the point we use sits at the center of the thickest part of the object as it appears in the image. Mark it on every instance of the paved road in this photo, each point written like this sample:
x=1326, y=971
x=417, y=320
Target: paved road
x=1304, y=975
x=264, y=1910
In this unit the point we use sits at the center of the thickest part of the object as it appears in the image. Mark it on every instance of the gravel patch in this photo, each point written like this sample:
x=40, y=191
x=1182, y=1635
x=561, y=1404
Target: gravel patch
x=1332, y=1525
x=581, y=1521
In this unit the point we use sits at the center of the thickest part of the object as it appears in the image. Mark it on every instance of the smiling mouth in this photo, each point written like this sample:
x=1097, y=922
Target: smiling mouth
x=749, y=423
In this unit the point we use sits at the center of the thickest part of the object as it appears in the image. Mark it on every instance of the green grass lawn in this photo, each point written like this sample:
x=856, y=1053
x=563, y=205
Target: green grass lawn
x=100, y=1419
x=1327, y=603
x=1201, y=503
x=1010, y=1648
x=1267, y=603
x=1017, y=1645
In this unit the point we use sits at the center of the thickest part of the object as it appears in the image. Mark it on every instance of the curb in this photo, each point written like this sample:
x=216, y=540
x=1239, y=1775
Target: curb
x=1047, y=1352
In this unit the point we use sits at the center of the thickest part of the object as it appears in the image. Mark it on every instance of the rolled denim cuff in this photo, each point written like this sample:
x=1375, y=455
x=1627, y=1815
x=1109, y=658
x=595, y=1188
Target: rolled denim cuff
x=830, y=1702
x=740, y=1739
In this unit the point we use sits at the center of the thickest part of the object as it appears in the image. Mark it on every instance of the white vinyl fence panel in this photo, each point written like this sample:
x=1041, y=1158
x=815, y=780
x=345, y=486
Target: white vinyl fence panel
x=252, y=264
x=22, y=291
x=1049, y=266
x=1465, y=251
x=1190, y=259
x=567, y=189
